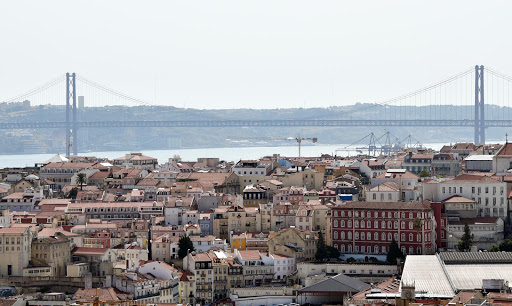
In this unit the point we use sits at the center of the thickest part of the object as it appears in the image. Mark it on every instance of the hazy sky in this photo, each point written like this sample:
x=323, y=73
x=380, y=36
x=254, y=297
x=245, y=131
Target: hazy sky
x=257, y=54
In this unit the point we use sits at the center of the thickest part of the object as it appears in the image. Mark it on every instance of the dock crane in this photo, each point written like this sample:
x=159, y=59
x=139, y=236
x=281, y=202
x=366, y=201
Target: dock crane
x=298, y=139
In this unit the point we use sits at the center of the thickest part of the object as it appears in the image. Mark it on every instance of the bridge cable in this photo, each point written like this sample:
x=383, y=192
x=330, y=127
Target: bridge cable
x=38, y=89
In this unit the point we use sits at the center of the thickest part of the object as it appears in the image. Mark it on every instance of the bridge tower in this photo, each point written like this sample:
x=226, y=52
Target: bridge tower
x=479, y=105
x=71, y=127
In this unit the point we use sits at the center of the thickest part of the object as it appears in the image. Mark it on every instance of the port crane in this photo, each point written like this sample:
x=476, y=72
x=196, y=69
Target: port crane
x=298, y=139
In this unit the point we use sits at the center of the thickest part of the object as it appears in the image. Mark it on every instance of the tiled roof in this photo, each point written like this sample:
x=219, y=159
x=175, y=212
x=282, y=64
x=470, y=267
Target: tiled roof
x=89, y=251
x=505, y=151
x=250, y=255
x=458, y=199
x=385, y=205
x=67, y=165
x=12, y=230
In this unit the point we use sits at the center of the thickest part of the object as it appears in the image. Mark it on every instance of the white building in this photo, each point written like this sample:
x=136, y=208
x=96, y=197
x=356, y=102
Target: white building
x=487, y=231
x=164, y=271
x=489, y=194
x=283, y=266
x=502, y=161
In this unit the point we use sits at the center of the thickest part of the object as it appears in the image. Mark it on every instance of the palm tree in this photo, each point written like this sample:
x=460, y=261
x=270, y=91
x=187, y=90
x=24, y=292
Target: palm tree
x=81, y=180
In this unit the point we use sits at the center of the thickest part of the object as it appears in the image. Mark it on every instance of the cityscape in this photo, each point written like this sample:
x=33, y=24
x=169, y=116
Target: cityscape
x=255, y=153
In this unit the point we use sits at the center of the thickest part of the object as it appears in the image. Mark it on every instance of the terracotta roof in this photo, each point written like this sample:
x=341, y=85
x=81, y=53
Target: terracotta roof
x=458, y=199
x=99, y=175
x=472, y=178
x=506, y=150
x=108, y=294
x=386, y=186
x=12, y=230
x=204, y=256
x=385, y=205
x=472, y=221
x=406, y=175
x=89, y=251
x=250, y=255
x=67, y=165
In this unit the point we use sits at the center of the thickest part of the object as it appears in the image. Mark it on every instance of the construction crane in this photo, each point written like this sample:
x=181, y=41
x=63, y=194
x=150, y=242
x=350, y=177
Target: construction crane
x=298, y=139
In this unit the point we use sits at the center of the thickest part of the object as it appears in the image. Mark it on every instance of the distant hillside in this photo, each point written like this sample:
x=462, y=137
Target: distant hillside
x=51, y=140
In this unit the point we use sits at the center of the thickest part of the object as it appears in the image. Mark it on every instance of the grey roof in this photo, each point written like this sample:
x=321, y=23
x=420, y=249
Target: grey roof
x=427, y=274
x=471, y=276
x=338, y=283
x=475, y=257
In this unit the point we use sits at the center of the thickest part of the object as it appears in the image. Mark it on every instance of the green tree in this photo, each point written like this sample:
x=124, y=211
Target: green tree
x=321, y=248
x=494, y=248
x=72, y=193
x=467, y=239
x=394, y=253
x=506, y=245
x=424, y=173
x=81, y=179
x=185, y=245
x=333, y=252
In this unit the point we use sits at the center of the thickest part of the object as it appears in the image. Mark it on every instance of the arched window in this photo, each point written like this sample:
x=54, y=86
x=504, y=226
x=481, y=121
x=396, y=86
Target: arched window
x=342, y=235
x=383, y=237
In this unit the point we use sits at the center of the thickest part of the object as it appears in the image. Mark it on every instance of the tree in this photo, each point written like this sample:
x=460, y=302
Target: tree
x=494, y=248
x=467, y=239
x=321, y=248
x=333, y=252
x=506, y=245
x=424, y=173
x=72, y=193
x=394, y=253
x=81, y=179
x=185, y=245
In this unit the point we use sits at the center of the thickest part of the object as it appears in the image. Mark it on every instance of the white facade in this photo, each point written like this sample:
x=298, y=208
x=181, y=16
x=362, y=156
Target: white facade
x=283, y=266
x=490, y=195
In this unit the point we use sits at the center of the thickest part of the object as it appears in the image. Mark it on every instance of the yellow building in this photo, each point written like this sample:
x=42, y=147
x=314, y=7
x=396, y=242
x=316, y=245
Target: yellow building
x=241, y=219
x=53, y=252
x=220, y=222
x=186, y=288
x=239, y=242
x=15, y=250
x=292, y=242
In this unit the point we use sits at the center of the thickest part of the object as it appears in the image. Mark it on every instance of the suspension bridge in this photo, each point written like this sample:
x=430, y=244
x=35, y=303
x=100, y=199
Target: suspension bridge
x=476, y=98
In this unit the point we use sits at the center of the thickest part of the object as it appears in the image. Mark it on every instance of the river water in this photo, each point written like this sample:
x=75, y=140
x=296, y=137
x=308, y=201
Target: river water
x=228, y=154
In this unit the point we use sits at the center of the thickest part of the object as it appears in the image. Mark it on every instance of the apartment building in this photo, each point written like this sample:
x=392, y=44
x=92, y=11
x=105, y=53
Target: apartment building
x=52, y=252
x=369, y=227
x=15, y=249
x=293, y=242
